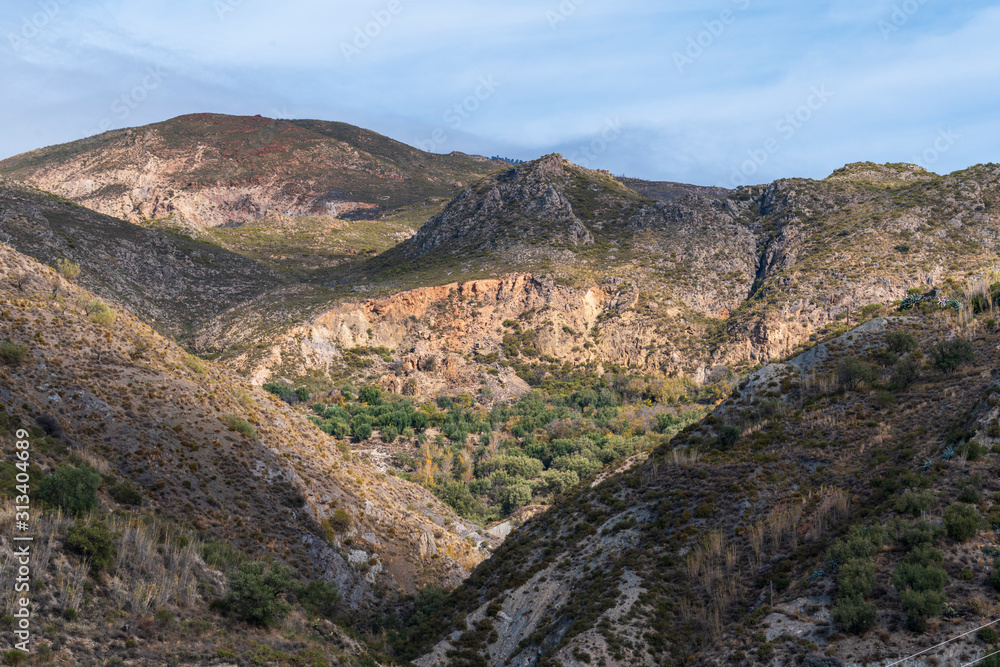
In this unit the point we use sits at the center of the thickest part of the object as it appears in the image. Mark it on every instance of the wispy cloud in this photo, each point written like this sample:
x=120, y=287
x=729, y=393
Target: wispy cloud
x=562, y=79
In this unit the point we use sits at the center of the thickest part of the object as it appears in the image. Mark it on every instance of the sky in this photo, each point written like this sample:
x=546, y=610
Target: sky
x=725, y=92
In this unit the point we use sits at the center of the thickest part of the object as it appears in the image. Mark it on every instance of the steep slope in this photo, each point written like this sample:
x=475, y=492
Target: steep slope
x=863, y=236
x=213, y=169
x=227, y=459
x=166, y=278
x=786, y=526
x=557, y=272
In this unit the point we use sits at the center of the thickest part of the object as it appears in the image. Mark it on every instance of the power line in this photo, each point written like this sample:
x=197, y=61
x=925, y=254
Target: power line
x=948, y=641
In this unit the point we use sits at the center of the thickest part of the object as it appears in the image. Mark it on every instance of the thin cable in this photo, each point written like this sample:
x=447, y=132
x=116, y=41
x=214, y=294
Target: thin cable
x=947, y=641
x=978, y=659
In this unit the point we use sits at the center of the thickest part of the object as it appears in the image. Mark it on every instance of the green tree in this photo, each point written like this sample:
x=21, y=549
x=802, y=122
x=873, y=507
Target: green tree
x=962, y=521
x=257, y=590
x=93, y=541
x=73, y=489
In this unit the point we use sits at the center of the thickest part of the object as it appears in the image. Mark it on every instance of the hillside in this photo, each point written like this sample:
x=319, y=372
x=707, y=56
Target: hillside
x=215, y=170
x=553, y=274
x=167, y=279
x=855, y=479
x=186, y=445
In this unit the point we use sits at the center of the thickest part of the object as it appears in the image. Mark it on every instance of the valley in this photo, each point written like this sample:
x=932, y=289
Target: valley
x=340, y=401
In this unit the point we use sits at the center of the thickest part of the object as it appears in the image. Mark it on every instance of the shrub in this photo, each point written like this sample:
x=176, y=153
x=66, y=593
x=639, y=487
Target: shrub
x=513, y=496
x=256, y=590
x=962, y=521
x=99, y=312
x=557, y=481
x=915, y=502
x=67, y=269
x=919, y=606
x=281, y=391
x=851, y=372
x=581, y=465
x=948, y=355
x=389, y=433
x=370, y=395
x=361, y=427
x=905, y=372
x=321, y=598
x=515, y=466
x=729, y=434
x=855, y=615
x=240, y=425
x=126, y=493
x=12, y=353
x=900, y=342
x=220, y=556
x=93, y=541
x=856, y=578
x=73, y=489
x=194, y=363
x=988, y=635
x=340, y=521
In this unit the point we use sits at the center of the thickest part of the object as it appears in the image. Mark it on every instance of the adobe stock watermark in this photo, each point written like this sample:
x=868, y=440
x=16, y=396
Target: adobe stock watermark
x=786, y=127
x=900, y=16
x=224, y=7
x=33, y=24
x=587, y=155
x=699, y=43
x=370, y=31
x=943, y=143
x=123, y=105
x=563, y=12
x=456, y=115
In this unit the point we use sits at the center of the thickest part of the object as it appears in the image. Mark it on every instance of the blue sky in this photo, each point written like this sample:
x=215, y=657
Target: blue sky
x=715, y=93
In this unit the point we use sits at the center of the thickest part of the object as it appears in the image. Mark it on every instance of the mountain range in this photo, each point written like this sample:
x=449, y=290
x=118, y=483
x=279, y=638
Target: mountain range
x=525, y=414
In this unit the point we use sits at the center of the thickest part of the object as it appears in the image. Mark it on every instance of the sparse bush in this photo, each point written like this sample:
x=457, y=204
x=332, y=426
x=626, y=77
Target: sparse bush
x=12, y=353
x=256, y=592
x=962, y=521
x=98, y=312
x=67, y=269
x=126, y=493
x=73, y=489
x=948, y=355
x=854, y=615
x=194, y=363
x=240, y=425
x=94, y=542
x=220, y=556
x=340, y=521
x=851, y=372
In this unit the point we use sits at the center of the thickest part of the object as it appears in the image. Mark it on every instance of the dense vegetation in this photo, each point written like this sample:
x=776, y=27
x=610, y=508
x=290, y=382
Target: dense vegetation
x=487, y=462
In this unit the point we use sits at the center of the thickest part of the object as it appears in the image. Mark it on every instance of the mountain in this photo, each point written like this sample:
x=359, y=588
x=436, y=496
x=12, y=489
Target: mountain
x=166, y=278
x=188, y=448
x=216, y=170
x=818, y=517
x=553, y=273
